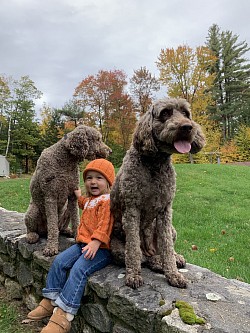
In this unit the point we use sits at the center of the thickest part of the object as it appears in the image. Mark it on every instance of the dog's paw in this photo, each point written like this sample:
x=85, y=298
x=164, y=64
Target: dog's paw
x=50, y=251
x=134, y=281
x=180, y=260
x=177, y=280
x=32, y=237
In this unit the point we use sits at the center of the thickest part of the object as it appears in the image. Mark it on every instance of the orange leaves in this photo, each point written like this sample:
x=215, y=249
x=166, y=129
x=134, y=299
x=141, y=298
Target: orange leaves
x=107, y=105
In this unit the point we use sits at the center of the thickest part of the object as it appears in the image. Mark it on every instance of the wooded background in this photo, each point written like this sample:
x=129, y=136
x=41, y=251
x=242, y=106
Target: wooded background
x=214, y=78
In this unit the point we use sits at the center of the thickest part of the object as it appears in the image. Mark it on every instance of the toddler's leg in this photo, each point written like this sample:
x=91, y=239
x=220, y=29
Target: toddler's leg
x=70, y=297
x=57, y=275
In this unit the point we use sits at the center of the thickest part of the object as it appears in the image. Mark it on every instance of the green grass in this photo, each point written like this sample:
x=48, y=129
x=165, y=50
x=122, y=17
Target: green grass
x=14, y=194
x=10, y=320
x=211, y=210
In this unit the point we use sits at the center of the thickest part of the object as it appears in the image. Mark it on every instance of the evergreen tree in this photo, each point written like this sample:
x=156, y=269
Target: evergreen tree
x=73, y=111
x=51, y=127
x=25, y=137
x=231, y=91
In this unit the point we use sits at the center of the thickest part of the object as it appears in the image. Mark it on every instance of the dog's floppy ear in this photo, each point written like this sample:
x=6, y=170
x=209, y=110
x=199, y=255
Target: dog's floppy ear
x=77, y=142
x=143, y=136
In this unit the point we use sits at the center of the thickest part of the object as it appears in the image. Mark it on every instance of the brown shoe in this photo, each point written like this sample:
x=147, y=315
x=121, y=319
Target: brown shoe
x=58, y=323
x=43, y=310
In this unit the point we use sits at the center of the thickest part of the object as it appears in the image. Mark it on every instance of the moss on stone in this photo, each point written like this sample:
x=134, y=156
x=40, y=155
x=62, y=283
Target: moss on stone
x=162, y=302
x=166, y=312
x=187, y=313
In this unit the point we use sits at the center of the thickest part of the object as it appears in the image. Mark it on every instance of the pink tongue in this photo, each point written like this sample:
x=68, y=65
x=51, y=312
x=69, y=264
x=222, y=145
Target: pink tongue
x=182, y=146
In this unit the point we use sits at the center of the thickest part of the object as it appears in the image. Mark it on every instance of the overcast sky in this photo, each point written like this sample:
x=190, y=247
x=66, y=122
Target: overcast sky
x=60, y=42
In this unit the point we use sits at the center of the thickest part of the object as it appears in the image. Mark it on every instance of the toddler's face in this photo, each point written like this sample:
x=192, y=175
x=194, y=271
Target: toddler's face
x=96, y=184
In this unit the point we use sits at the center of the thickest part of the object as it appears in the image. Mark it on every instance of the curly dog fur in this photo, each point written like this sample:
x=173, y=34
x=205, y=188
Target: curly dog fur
x=142, y=195
x=53, y=204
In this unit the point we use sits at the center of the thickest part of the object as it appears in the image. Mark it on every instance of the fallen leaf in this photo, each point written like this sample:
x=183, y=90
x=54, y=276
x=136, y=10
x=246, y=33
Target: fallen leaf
x=121, y=276
x=27, y=321
x=194, y=247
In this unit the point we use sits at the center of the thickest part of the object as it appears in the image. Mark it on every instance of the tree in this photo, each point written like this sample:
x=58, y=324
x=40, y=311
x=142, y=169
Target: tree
x=73, y=111
x=242, y=139
x=51, y=127
x=185, y=71
x=98, y=95
x=142, y=85
x=4, y=97
x=20, y=100
x=25, y=137
x=231, y=91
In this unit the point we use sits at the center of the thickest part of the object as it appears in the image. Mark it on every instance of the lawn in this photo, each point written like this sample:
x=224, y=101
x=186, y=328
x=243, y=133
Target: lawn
x=211, y=213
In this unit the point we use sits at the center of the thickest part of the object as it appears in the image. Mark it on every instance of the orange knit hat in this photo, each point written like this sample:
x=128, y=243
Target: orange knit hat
x=103, y=166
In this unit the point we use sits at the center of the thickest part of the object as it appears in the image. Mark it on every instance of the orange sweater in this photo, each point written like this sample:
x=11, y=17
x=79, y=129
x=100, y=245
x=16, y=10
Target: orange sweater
x=96, y=220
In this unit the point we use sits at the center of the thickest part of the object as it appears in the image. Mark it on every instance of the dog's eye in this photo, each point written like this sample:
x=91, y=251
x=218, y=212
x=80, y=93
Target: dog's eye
x=186, y=113
x=165, y=114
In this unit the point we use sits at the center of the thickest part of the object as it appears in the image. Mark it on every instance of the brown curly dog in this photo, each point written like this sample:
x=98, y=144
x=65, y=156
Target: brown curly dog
x=142, y=195
x=53, y=204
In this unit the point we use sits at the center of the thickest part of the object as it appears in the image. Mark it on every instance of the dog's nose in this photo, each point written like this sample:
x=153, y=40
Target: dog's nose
x=186, y=128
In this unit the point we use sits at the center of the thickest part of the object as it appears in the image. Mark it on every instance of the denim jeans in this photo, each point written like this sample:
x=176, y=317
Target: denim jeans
x=68, y=275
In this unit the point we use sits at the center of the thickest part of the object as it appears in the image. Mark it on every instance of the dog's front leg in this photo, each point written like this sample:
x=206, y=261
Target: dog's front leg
x=133, y=255
x=52, y=225
x=166, y=249
x=31, y=219
x=74, y=213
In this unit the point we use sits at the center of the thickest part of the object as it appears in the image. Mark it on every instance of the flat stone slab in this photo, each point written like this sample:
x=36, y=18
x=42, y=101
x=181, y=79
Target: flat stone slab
x=223, y=303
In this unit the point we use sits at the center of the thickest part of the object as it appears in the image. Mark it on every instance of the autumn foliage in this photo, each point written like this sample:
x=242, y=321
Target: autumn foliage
x=107, y=105
x=211, y=78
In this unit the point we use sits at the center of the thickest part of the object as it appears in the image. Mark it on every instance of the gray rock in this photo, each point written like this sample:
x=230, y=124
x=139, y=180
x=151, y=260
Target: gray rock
x=115, y=308
x=97, y=316
x=14, y=290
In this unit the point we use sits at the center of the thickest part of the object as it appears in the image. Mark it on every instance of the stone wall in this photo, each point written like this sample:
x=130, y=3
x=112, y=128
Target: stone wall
x=109, y=306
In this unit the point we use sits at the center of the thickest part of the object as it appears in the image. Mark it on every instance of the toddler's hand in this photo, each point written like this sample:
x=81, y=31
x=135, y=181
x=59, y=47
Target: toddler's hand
x=78, y=193
x=91, y=248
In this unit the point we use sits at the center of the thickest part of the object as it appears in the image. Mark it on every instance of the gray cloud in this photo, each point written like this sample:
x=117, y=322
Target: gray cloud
x=59, y=42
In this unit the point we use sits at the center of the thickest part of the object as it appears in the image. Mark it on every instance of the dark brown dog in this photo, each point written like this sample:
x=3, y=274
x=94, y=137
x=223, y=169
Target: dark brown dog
x=142, y=195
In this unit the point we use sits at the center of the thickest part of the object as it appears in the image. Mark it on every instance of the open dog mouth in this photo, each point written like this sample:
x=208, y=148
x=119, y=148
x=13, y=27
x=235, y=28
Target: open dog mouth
x=182, y=146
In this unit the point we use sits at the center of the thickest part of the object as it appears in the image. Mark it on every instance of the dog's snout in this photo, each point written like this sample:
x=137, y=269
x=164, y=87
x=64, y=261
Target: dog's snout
x=186, y=128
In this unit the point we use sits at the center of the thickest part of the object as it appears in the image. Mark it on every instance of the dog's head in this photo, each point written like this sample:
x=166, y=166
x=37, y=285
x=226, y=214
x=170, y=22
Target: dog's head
x=168, y=127
x=86, y=143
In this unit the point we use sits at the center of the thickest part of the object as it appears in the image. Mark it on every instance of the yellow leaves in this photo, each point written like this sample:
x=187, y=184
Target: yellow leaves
x=185, y=71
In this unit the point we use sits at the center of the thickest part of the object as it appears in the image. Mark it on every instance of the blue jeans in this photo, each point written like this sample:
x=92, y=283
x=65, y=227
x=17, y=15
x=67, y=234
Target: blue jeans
x=67, y=289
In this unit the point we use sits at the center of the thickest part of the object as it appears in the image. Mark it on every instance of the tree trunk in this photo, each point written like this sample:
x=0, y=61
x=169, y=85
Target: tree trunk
x=8, y=141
